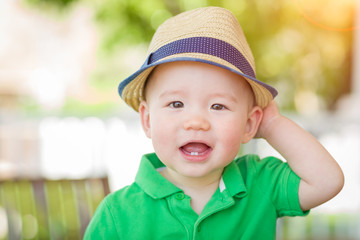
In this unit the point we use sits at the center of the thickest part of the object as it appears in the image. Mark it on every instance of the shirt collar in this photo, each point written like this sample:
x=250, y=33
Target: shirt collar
x=155, y=185
x=233, y=180
x=151, y=181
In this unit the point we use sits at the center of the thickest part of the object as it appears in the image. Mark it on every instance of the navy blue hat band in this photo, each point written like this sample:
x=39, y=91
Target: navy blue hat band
x=205, y=45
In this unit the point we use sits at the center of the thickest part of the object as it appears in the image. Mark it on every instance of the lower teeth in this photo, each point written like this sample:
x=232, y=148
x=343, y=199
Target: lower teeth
x=194, y=153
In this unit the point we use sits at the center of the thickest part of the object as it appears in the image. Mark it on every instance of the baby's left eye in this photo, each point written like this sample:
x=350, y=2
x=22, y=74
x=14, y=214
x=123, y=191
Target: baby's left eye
x=217, y=106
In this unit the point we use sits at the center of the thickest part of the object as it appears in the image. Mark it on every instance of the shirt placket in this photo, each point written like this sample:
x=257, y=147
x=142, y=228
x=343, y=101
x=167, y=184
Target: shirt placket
x=180, y=207
x=219, y=202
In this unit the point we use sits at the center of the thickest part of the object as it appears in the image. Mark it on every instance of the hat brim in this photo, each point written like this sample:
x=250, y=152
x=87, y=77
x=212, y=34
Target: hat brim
x=131, y=89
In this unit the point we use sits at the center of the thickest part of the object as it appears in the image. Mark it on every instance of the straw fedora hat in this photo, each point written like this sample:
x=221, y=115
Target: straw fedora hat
x=210, y=35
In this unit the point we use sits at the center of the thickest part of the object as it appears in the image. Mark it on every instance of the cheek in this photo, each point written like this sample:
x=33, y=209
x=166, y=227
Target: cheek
x=162, y=137
x=232, y=133
x=161, y=130
x=233, y=140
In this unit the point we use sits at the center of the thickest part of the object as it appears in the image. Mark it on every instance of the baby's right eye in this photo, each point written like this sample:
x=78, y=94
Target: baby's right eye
x=176, y=104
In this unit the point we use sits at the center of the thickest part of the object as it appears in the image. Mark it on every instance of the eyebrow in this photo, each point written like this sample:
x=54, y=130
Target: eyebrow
x=224, y=95
x=213, y=95
x=171, y=93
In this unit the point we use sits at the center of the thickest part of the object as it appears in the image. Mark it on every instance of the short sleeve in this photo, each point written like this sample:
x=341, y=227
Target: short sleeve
x=102, y=224
x=280, y=184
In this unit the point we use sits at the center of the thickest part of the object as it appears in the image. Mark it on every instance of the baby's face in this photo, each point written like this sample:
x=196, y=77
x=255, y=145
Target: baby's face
x=197, y=116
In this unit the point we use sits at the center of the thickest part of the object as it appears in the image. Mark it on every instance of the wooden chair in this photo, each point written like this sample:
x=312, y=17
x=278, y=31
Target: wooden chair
x=48, y=209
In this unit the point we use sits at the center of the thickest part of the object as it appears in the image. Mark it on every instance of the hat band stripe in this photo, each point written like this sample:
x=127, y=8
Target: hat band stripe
x=205, y=45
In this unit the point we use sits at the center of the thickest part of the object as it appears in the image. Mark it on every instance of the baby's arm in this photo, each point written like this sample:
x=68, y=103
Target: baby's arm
x=321, y=177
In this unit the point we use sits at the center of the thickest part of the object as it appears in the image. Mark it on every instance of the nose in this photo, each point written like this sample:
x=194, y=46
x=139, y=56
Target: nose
x=197, y=122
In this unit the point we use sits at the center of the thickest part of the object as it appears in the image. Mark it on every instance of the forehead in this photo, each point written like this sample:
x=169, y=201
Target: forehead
x=186, y=74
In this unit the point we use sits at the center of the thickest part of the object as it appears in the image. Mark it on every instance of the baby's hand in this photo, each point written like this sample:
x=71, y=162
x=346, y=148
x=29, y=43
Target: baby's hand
x=270, y=115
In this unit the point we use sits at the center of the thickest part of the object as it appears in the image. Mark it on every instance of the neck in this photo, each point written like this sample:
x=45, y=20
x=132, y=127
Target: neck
x=184, y=182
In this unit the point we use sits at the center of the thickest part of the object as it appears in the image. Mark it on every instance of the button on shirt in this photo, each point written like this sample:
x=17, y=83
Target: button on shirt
x=252, y=194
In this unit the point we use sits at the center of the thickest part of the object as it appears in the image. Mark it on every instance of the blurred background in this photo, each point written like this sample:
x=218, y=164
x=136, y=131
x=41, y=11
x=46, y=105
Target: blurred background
x=62, y=121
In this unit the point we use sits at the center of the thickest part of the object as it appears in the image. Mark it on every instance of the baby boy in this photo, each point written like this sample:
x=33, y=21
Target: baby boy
x=199, y=101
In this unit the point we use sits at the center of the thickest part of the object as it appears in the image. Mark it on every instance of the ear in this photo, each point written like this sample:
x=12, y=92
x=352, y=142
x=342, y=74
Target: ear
x=253, y=122
x=145, y=118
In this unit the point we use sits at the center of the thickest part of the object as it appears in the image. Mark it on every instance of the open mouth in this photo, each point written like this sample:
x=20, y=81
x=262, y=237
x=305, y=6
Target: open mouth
x=196, y=150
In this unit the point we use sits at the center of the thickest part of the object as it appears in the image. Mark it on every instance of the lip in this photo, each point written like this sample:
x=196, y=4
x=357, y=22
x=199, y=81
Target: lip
x=201, y=157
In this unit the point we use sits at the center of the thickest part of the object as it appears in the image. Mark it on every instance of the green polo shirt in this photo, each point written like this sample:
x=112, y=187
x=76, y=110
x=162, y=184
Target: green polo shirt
x=252, y=194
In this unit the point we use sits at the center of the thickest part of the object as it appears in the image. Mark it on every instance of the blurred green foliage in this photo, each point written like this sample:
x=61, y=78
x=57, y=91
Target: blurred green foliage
x=58, y=5
x=308, y=64
x=72, y=107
